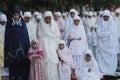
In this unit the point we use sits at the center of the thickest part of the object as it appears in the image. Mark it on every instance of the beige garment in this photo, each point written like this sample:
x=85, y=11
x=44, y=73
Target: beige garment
x=1, y=54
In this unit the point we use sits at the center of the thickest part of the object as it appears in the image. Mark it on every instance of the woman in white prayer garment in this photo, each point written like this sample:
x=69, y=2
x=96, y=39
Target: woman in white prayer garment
x=3, y=21
x=107, y=44
x=68, y=23
x=65, y=61
x=78, y=41
x=48, y=35
x=117, y=21
x=30, y=26
x=89, y=69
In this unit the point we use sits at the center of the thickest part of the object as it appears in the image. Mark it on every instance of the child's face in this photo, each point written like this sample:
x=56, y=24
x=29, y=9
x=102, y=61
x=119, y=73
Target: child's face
x=76, y=22
x=27, y=19
x=61, y=46
x=88, y=58
x=34, y=45
x=48, y=19
x=16, y=16
x=56, y=17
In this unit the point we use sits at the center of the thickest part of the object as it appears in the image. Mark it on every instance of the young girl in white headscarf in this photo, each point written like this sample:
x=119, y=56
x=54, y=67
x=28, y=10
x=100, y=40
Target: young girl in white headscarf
x=65, y=63
x=78, y=41
x=35, y=55
x=89, y=68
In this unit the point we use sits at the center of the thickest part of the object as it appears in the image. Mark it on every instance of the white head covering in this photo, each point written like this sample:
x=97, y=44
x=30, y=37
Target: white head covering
x=39, y=17
x=58, y=13
x=36, y=13
x=61, y=42
x=74, y=11
x=106, y=13
x=64, y=14
x=90, y=14
x=76, y=18
x=117, y=11
x=27, y=14
x=48, y=13
x=3, y=18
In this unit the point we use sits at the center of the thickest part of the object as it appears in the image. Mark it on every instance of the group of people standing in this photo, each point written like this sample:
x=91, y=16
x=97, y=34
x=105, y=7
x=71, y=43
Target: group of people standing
x=51, y=46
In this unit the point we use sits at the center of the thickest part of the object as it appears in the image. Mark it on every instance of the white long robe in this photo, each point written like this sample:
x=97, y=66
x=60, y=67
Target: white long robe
x=107, y=46
x=77, y=47
x=32, y=29
x=65, y=68
x=61, y=26
x=83, y=73
x=48, y=36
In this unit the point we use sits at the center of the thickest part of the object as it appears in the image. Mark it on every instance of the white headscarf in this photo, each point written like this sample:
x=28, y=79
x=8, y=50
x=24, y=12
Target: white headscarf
x=3, y=18
x=27, y=14
x=39, y=17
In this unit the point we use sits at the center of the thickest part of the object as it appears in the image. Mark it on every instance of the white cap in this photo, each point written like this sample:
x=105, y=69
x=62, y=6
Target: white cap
x=27, y=14
x=57, y=13
x=117, y=11
x=76, y=18
x=90, y=14
x=39, y=17
x=106, y=13
x=48, y=13
x=3, y=18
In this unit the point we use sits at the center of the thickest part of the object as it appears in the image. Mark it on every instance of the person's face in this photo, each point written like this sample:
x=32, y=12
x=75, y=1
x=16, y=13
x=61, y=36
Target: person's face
x=16, y=16
x=56, y=17
x=76, y=22
x=63, y=17
x=72, y=14
x=117, y=14
x=88, y=58
x=61, y=46
x=48, y=19
x=2, y=22
x=27, y=19
x=106, y=18
x=89, y=17
x=35, y=45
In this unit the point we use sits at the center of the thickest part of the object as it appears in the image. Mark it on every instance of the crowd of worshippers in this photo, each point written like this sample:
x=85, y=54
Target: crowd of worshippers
x=54, y=45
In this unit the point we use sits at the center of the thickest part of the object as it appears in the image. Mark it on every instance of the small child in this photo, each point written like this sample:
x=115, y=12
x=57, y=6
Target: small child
x=92, y=40
x=65, y=64
x=89, y=68
x=35, y=56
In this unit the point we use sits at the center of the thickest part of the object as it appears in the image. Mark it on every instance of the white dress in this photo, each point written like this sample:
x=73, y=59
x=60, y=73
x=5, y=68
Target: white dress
x=31, y=30
x=107, y=46
x=77, y=47
x=65, y=68
x=48, y=36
